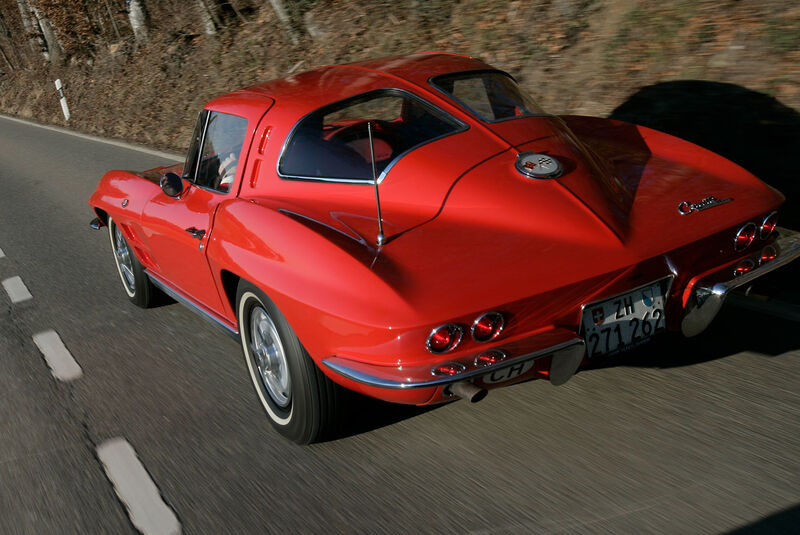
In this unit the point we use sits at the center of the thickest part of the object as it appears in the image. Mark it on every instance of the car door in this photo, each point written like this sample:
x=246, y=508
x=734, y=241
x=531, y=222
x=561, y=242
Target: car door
x=178, y=229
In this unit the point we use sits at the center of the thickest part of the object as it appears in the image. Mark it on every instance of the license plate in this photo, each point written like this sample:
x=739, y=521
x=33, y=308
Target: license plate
x=624, y=321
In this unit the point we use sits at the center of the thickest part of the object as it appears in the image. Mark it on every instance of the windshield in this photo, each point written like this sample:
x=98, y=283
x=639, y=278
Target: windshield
x=491, y=95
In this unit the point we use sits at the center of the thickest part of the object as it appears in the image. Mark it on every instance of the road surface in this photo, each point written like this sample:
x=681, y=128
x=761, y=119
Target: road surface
x=680, y=436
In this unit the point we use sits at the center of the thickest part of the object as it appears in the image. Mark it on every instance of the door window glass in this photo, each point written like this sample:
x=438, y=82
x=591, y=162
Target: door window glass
x=222, y=146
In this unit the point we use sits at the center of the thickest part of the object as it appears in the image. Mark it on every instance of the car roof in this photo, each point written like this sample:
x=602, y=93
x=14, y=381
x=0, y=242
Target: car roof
x=315, y=88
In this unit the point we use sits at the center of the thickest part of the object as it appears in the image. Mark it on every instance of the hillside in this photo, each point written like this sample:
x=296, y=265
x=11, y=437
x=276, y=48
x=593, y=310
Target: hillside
x=575, y=56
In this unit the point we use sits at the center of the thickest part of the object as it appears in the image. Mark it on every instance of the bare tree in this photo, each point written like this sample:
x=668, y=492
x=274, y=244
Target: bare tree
x=283, y=15
x=6, y=36
x=35, y=40
x=138, y=18
x=206, y=17
x=111, y=18
x=54, y=48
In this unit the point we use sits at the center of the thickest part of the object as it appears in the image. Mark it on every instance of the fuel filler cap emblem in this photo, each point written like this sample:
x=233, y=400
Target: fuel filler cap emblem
x=534, y=165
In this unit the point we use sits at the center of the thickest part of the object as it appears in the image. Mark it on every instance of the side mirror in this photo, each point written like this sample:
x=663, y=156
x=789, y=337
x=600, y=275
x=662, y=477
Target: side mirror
x=172, y=185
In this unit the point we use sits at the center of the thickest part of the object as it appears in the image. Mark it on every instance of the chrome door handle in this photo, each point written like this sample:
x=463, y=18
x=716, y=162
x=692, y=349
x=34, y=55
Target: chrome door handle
x=196, y=233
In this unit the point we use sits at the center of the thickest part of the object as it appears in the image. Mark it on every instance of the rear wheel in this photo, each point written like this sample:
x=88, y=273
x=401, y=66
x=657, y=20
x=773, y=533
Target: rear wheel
x=134, y=280
x=300, y=401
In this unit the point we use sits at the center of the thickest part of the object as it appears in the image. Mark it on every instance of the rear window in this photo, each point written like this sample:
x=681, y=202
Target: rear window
x=333, y=142
x=491, y=95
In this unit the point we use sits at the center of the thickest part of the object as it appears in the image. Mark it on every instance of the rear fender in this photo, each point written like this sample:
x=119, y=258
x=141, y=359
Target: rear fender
x=321, y=279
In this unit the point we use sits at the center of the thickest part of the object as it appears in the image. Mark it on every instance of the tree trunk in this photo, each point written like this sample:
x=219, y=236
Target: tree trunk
x=205, y=17
x=3, y=53
x=286, y=21
x=113, y=22
x=138, y=18
x=6, y=35
x=35, y=40
x=236, y=10
x=54, y=47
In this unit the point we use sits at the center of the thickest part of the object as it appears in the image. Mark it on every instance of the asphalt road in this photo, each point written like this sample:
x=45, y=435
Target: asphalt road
x=681, y=436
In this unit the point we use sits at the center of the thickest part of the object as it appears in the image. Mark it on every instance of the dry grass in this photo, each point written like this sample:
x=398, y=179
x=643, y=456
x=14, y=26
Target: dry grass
x=576, y=56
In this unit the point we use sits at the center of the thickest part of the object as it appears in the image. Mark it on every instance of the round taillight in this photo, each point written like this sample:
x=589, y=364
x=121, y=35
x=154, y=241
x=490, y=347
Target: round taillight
x=768, y=225
x=448, y=368
x=768, y=254
x=487, y=327
x=445, y=338
x=489, y=358
x=745, y=236
x=745, y=266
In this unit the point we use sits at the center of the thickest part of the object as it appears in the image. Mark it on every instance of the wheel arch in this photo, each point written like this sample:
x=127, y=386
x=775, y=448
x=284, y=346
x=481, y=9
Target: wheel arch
x=322, y=289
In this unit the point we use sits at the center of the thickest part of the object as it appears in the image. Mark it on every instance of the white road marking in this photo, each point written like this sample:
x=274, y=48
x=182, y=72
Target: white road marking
x=122, y=144
x=136, y=489
x=16, y=289
x=62, y=365
x=2, y=254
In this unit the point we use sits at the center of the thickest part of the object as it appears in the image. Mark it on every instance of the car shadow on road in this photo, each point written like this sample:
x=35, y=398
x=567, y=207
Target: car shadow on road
x=364, y=414
x=786, y=521
x=735, y=330
x=750, y=128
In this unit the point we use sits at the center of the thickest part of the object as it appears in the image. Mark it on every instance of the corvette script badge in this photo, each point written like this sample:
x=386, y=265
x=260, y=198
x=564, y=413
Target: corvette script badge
x=686, y=208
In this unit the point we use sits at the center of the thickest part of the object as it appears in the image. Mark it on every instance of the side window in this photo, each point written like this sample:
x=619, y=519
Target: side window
x=491, y=95
x=333, y=142
x=473, y=91
x=194, y=147
x=222, y=145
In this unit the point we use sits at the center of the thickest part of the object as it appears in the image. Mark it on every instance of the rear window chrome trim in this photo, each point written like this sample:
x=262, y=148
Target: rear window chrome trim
x=461, y=126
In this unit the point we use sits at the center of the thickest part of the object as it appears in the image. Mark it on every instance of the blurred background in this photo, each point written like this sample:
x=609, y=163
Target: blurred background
x=141, y=69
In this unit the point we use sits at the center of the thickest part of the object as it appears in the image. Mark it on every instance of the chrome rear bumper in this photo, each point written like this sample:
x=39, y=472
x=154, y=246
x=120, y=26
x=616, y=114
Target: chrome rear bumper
x=707, y=297
x=566, y=356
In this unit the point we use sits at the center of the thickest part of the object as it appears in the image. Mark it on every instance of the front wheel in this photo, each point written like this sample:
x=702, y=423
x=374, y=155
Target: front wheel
x=135, y=281
x=300, y=401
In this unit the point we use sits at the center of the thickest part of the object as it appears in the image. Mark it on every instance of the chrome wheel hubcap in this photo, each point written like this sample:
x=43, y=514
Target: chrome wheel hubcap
x=267, y=351
x=123, y=254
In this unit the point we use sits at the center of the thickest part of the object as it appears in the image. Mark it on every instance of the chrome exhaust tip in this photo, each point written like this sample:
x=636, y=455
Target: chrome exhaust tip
x=467, y=390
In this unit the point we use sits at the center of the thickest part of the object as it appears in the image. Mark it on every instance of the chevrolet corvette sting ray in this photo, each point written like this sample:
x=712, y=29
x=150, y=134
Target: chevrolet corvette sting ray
x=418, y=230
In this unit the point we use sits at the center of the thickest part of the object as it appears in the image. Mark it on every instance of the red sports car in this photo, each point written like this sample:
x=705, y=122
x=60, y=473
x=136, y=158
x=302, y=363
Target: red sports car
x=417, y=229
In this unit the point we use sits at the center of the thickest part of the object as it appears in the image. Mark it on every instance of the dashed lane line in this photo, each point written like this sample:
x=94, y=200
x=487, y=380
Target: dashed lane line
x=59, y=359
x=16, y=289
x=2, y=254
x=146, y=509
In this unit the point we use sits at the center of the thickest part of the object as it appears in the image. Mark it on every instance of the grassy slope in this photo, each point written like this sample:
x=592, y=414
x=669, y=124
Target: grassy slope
x=575, y=56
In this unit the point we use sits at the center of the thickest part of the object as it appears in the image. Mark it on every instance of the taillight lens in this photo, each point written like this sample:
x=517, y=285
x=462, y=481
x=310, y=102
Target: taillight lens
x=487, y=327
x=745, y=236
x=449, y=368
x=768, y=225
x=489, y=358
x=768, y=254
x=745, y=266
x=445, y=338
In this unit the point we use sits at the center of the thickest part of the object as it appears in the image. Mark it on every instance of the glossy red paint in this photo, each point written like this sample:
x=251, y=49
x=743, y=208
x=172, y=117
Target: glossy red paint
x=465, y=232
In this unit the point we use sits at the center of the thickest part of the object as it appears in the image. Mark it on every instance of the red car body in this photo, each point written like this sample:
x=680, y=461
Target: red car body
x=466, y=232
